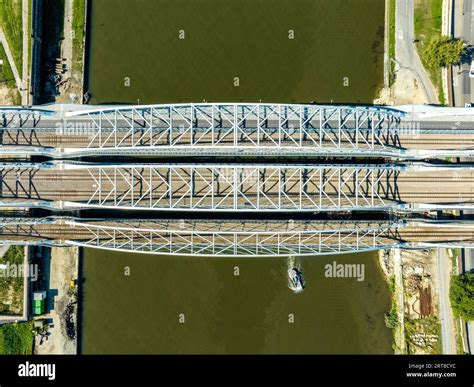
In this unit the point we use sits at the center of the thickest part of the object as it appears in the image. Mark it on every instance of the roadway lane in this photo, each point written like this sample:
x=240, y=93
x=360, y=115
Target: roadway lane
x=464, y=29
x=464, y=93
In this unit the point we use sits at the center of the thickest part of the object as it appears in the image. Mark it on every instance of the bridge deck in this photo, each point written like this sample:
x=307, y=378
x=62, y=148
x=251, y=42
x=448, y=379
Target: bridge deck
x=231, y=187
x=241, y=238
x=233, y=129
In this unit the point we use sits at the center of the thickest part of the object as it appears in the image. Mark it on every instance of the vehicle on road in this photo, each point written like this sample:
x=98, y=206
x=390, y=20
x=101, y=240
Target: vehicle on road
x=471, y=71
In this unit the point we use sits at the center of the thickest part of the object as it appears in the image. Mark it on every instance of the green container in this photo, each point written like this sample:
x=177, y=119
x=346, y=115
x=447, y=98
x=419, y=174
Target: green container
x=38, y=307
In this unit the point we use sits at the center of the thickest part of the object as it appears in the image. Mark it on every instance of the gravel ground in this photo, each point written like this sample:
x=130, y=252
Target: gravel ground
x=64, y=266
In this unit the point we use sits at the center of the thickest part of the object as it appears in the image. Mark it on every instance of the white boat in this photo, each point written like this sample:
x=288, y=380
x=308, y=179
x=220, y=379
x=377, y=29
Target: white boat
x=296, y=279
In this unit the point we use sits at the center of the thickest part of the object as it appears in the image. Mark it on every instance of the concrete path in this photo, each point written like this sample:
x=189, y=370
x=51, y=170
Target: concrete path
x=445, y=312
x=406, y=55
x=68, y=32
x=66, y=90
x=16, y=74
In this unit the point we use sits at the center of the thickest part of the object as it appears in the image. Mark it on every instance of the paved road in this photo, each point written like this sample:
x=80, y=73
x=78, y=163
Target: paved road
x=464, y=93
x=405, y=50
x=464, y=29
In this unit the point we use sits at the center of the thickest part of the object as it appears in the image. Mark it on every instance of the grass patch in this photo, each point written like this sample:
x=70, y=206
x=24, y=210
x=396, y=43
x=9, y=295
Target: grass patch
x=30, y=30
x=6, y=74
x=459, y=338
x=428, y=22
x=391, y=41
x=391, y=317
x=11, y=288
x=421, y=334
x=16, y=339
x=78, y=22
x=11, y=23
x=392, y=284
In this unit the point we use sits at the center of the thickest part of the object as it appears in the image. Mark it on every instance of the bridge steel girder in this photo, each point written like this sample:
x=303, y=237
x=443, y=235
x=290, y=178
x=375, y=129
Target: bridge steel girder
x=241, y=238
x=232, y=243
x=229, y=188
x=249, y=128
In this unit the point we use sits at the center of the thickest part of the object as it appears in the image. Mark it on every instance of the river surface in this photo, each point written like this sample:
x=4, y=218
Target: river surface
x=235, y=50
x=135, y=55
x=225, y=313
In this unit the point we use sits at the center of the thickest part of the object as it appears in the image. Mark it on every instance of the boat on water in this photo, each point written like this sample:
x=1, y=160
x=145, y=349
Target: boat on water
x=296, y=279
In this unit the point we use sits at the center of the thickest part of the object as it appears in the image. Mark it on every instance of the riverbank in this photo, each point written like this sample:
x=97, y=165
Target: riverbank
x=61, y=334
x=70, y=86
x=413, y=276
x=60, y=77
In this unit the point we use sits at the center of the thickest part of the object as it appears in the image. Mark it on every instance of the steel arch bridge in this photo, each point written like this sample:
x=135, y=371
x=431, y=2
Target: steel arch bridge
x=232, y=238
x=242, y=126
x=201, y=187
x=234, y=188
x=204, y=238
x=225, y=129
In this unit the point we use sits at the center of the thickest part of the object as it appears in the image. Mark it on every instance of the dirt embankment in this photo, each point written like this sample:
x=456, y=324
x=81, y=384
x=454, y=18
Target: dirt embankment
x=405, y=90
x=418, y=328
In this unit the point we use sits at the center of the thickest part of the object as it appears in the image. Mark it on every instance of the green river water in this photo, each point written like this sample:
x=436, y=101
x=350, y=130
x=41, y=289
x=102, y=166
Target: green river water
x=224, y=39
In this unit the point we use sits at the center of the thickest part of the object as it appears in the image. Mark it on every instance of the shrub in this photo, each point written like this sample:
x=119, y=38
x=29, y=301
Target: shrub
x=391, y=318
x=462, y=296
x=444, y=51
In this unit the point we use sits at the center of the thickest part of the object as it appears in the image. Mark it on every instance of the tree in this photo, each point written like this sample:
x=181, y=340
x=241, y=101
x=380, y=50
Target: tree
x=462, y=296
x=444, y=51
